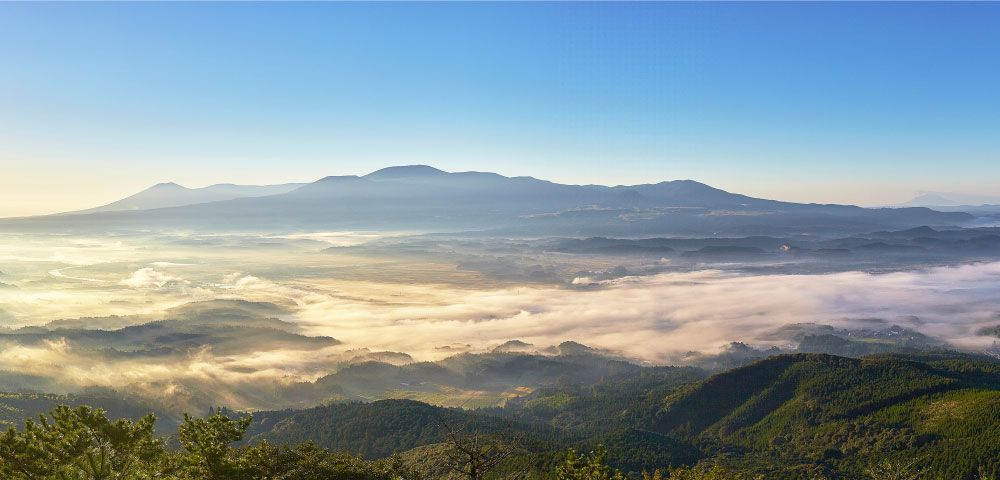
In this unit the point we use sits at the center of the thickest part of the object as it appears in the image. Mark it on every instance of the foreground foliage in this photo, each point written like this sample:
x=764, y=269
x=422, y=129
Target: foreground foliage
x=803, y=417
x=83, y=444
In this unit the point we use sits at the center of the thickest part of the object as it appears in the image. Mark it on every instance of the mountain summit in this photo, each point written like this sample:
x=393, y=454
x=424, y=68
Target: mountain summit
x=405, y=171
x=951, y=199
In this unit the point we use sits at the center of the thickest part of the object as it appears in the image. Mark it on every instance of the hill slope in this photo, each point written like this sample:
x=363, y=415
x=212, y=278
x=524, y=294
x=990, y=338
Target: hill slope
x=802, y=414
x=798, y=416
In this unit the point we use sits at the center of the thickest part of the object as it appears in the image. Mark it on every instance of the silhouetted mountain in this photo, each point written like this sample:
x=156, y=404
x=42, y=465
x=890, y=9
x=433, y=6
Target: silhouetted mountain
x=170, y=194
x=930, y=200
x=423, y=198
x=950, y=199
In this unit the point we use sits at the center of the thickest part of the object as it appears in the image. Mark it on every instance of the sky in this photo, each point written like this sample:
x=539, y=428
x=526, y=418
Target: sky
x=860, y=103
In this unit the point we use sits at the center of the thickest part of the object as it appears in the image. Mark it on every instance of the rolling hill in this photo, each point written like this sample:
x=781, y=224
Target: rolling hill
x=800, y=416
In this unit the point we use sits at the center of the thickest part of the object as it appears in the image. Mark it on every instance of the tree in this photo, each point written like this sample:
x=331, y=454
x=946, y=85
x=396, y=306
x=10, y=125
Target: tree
x=656, y=475
x=208, y=442
x=717, y=472
x=895, y=470
x=306, y=461
x=592, y=467
x=474, y=454
x=81, y=444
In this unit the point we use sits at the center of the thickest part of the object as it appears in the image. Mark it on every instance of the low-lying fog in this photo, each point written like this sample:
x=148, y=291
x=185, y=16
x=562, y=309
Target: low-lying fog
x=654, y=318
x=419, y=303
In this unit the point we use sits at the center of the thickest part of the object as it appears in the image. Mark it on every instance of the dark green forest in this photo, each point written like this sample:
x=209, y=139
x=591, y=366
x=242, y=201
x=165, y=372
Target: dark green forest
x=798, y=416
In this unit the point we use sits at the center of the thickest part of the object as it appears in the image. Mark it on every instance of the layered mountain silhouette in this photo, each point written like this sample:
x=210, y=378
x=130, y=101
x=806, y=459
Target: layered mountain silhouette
x=163, y=195
x=423, y=198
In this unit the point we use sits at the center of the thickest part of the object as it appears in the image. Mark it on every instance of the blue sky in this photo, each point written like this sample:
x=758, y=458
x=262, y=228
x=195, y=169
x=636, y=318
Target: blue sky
x=852, y=102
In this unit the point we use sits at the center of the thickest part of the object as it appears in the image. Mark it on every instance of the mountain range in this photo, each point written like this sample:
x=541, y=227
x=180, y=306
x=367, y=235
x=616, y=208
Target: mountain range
x=423, y=198
x=164, y=195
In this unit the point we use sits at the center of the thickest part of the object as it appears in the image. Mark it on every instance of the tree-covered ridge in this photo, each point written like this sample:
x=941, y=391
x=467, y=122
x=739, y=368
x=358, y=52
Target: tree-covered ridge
x=804, y=416
x=818, y=387
x=800, y=415
x=384, y=427
x=789, y=416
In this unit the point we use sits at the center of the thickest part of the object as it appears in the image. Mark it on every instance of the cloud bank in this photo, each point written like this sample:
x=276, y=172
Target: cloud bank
x=654, y=318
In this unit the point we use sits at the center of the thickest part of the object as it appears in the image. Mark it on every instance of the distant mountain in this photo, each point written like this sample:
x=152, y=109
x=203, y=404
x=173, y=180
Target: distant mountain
x=930, y=200
x=163, y=195
x=423, y=198
x=950, y=199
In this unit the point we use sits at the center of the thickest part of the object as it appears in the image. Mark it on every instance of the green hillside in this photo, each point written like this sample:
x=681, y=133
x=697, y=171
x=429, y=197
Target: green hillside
x=788, y=416
x=929, y=416
x=798, y=415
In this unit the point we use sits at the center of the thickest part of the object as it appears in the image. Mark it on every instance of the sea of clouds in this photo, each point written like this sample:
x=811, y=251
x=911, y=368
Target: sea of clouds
x=653, y=318
x=647, y=318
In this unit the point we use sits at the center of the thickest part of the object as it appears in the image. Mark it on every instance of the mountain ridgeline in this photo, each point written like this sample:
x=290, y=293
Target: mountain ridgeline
x=422, y=198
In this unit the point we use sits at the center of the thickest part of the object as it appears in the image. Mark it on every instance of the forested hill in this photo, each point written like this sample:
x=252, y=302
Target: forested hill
x=799, y=416
x=788, y=416
x=819, y=414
